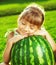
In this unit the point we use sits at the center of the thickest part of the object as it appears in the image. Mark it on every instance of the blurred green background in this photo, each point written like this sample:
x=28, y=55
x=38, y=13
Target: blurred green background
x=10, y=9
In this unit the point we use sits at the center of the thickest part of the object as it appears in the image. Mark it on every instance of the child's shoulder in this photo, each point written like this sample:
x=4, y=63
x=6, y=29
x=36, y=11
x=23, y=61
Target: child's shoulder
x=42, y=28
x=41, y=32
x=11, y=32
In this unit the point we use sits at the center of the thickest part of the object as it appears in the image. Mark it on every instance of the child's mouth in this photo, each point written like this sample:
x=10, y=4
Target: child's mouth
x=25, y=33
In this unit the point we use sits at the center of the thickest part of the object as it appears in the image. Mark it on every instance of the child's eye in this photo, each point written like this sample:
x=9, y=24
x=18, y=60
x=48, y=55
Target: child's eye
x=32, y=27
x=23, y=23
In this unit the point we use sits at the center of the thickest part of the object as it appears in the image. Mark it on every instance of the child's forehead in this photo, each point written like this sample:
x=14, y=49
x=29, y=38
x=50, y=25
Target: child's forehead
x=27, y=22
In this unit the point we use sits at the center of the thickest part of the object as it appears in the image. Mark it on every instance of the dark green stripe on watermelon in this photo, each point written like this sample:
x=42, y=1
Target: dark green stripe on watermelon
x=27, y=51
x=18, y=56
x=23, y=53
x=25, y=45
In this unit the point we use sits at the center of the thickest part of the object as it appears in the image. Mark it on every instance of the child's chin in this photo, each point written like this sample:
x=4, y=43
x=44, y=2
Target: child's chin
x=30, y=34
x=25, y=33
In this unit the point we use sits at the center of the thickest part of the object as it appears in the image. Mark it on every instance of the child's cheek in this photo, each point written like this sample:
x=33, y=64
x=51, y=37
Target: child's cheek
x=23, y=26
x=32, y=30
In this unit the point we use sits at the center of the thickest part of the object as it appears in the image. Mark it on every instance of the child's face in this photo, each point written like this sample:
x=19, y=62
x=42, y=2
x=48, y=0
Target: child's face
x=26, y=27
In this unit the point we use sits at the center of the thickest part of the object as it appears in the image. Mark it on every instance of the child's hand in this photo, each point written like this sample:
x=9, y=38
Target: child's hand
x=17, y=38
x=3, y=63
x=23, y=36
x=30, y=34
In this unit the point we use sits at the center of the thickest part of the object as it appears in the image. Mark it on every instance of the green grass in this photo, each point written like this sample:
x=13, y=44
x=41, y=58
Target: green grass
x=8, y=22
x=5, y=24
x=9, y=7
x=50, y=23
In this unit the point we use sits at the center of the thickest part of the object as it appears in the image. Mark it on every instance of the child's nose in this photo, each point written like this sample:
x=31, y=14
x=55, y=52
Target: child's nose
x=27, y=28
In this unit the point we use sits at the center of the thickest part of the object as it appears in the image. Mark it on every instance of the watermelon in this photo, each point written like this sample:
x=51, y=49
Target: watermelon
x=32, y=50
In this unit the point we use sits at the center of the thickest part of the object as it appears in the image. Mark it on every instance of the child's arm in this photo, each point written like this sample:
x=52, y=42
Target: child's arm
x=10, y=42
x=7, y=52
x=51, y=41
x=7, y=49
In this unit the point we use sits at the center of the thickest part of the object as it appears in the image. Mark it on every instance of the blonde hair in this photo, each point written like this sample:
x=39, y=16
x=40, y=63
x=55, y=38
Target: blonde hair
x=31, y=14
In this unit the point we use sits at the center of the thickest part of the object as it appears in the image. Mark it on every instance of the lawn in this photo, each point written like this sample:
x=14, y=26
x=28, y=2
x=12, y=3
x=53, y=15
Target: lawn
x=9, y=22
x=9, y=7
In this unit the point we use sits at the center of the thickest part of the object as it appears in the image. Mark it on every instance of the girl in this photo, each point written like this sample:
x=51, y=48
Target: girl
x=29, y=23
